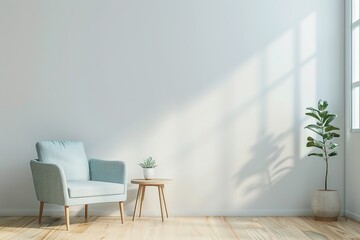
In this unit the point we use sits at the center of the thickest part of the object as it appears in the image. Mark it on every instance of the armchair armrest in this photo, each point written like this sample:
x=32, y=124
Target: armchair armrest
x=49, y=181
x=107, y=171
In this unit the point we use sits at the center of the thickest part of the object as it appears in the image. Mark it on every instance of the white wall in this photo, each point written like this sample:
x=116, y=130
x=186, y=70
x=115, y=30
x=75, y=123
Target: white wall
x=352, y=141
x=216, y=91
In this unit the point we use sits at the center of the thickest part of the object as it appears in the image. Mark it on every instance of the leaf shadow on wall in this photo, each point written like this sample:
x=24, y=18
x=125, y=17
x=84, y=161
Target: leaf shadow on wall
x=267, y=163
x=260, y=180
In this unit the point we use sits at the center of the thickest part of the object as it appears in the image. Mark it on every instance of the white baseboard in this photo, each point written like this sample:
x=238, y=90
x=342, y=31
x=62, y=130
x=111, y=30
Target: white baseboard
x=246, y=213
x=352, y=215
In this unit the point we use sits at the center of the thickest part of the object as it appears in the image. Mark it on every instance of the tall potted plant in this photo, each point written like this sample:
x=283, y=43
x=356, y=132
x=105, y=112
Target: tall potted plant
x=325, y=203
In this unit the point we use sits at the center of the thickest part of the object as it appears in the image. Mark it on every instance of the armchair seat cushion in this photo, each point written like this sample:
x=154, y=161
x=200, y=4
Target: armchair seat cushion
x=78, y=189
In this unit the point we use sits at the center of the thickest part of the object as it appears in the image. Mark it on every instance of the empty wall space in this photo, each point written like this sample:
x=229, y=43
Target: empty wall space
x=215, y=91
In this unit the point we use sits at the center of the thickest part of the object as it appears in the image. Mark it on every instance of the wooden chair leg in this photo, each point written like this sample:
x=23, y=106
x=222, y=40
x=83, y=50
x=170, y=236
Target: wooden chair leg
x=41, y=211
x=142, y=199
x=67, y=219
x=121, y=206
x=86, y=211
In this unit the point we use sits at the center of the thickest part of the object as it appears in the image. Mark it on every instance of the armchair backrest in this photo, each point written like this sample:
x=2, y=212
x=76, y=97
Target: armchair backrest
x=70, y=155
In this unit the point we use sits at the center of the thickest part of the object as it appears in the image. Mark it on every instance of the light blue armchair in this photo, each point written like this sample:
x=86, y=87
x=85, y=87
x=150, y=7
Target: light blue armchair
x=64, y=176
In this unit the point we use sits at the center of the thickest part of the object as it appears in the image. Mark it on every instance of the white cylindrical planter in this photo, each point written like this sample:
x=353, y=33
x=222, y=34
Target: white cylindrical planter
x=326, y=205
x=149, y=173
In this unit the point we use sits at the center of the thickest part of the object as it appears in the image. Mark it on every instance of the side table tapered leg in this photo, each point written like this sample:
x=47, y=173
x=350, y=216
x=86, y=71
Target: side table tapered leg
x=162, y=215
x=163, y=195
x=137, y=197
x=142, y=199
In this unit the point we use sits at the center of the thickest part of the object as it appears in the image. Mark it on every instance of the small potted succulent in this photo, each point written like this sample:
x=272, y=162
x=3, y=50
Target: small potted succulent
x=148, y=166
x=325, y=203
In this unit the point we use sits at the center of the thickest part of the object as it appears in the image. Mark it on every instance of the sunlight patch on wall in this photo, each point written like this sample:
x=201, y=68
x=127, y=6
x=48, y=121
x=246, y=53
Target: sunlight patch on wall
x=239, y=136
x=307, y=74
x=271, y=156
x=279, y=57
x=307, y=37
x=307, y=89
x=279, y=120
x=208, y=139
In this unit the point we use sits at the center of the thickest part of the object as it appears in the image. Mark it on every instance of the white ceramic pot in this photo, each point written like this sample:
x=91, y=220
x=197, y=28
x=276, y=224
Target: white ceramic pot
x=326, y=205
x=149, y=173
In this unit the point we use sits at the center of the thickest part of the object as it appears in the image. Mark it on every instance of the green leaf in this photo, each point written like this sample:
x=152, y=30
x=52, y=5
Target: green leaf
x=328, y=136
x=332, y=154
x=328, y=119
x=310, y=139
x=312, y=109
x=333, y=145
x=331, y=128
x=312, y=144
x=315, y=131
x=322, y=105
x=336, y=135
x=314, y=127
x=325, y=104
x=315, y=143
x=331, y=135
x=323, y=114
x=316, y=154
x=311, y=114
x=318, y=143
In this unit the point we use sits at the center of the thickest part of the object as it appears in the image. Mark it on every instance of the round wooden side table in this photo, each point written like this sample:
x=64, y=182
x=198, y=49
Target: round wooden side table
x=158, y=182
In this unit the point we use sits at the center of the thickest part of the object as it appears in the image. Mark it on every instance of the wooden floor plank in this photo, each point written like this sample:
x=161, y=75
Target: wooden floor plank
x=280, y=228
x=178, y=228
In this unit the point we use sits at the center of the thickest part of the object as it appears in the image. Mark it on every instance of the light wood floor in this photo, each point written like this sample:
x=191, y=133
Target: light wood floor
x=178, y=228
